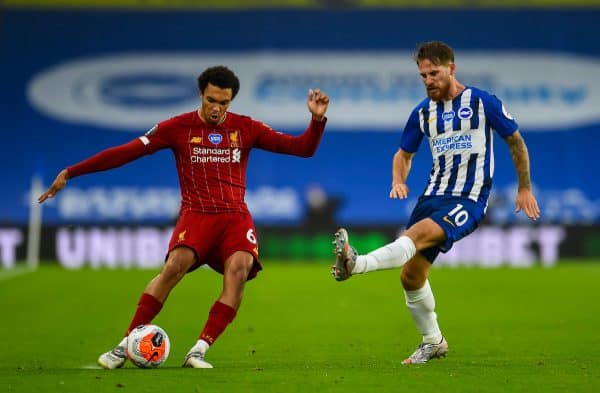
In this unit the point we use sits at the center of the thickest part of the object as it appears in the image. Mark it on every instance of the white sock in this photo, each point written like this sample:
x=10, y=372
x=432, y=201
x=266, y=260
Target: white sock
x=200, y=346
x=421, y=305
x=123, y=342
x=391, y=255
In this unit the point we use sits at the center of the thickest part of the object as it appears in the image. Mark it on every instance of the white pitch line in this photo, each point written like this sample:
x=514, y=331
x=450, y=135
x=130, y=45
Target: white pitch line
x=91, y=367
x=7, y=274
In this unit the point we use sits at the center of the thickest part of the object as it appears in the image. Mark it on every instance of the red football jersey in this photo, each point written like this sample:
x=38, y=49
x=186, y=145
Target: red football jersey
x=211, y=160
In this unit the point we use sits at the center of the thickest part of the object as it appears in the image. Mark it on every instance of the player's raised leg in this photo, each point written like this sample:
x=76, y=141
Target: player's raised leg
x=348, y=262
x=423, y=234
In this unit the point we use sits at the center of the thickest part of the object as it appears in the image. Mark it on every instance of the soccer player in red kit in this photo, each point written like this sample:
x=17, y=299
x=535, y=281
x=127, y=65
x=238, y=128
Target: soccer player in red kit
x=211, y=148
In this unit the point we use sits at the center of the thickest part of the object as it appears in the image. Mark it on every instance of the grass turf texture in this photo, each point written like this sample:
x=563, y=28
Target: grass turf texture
x=531, y=330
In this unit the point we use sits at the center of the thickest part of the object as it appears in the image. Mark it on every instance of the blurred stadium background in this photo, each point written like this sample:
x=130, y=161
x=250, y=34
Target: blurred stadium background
x=79, y=76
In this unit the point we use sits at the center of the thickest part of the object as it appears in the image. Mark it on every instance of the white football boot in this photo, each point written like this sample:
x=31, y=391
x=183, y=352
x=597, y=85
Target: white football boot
x=425, y=352
x=345, y=256
x=113, y=359
x=195, y=359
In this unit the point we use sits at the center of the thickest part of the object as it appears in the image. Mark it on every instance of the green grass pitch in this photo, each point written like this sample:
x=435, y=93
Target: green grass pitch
x=509, y=330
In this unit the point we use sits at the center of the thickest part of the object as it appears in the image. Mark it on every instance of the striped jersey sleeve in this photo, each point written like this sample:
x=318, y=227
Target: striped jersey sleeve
x=500, y=119
x=413, y=134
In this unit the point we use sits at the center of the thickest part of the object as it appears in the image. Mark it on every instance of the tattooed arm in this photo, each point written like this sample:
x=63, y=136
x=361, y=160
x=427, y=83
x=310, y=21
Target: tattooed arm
x=520, y=157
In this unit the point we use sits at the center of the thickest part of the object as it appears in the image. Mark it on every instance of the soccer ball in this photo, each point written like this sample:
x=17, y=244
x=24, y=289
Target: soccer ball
x=148, y=346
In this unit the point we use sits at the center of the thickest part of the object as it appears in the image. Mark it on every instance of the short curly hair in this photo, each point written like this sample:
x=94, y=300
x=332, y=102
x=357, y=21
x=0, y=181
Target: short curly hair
x=438, y=52
x=219, y=76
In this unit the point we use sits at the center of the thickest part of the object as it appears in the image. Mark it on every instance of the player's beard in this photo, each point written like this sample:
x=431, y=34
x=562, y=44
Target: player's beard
x=441, y=90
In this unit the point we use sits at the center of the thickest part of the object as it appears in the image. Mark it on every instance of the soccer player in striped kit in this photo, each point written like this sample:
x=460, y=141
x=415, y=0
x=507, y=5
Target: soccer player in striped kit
x=458, y=122
x=211, y=148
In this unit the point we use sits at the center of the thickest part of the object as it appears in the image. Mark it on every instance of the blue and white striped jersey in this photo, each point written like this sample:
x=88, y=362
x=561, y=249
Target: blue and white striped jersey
x=461, y=141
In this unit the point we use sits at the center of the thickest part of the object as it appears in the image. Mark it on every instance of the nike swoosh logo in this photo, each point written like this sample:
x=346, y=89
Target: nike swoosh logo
x=448, y=221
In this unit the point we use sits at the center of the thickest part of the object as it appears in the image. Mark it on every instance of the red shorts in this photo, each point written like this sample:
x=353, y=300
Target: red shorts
x=215, y=237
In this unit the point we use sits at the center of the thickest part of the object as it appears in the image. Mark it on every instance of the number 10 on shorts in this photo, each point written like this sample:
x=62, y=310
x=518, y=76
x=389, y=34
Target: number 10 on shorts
x=458, y=215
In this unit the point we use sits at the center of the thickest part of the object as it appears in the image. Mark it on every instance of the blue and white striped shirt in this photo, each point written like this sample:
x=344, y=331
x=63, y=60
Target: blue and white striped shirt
x=461, y=141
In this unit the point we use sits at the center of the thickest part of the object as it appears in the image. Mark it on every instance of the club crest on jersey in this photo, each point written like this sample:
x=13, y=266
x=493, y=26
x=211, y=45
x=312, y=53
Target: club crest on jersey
x=234, y=139
x=447, y=116
x=236, y=155
x=196, y=140
x=465, y=113
x=215, y=138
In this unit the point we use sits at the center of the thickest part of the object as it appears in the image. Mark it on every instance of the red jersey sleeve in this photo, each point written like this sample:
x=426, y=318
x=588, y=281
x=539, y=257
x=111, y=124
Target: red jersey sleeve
x=303, y=145
x=155, y=139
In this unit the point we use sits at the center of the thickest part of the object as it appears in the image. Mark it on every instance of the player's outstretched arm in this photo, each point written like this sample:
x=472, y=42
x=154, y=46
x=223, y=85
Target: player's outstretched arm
x=107, y=159
x=304, y=145
x=520, y=156
x=318, y=101
x=57, y=185
x=400, y=170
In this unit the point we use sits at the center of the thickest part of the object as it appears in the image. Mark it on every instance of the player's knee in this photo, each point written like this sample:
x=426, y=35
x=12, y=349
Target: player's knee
x=240, y=268
x=412, y=279
x=425, y=234
x=177, y=266
x=173, y=271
